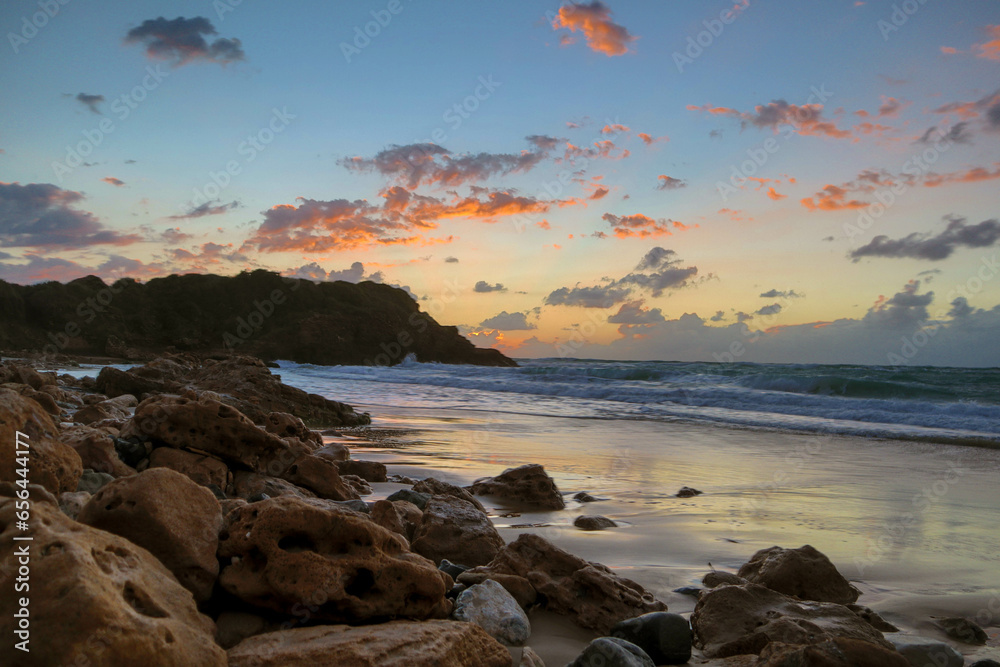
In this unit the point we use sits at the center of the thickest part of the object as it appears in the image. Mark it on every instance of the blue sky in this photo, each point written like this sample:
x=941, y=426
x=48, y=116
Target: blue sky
x=585, y=80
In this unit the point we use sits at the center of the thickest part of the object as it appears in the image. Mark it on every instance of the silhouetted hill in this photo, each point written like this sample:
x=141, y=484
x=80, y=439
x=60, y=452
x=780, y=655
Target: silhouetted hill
x=258, y=313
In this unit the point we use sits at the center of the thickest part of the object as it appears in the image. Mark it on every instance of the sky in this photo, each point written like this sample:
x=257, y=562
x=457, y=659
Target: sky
x=803, y=182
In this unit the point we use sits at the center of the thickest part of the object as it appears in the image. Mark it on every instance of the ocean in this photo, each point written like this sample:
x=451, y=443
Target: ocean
x=943, y=405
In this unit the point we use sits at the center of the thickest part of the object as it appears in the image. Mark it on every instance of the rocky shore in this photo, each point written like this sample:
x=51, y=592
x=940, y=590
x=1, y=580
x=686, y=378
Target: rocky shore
x=198, y=511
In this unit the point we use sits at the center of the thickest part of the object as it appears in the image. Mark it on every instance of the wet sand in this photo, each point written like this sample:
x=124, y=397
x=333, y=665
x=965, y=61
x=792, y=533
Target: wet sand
x=914, y=526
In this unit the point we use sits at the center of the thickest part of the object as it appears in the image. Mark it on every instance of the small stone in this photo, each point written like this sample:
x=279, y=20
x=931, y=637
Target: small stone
x=715, y=578
x=920, y=651
x=452, y=569
x=593, y=522
x=693, y=591
x=490, y=606
x=91, y=481
x=529, y=658
x=985, y=663
x=356, y=504
x=584, y=497
x=665, y=637
x=415, y=497
x=688, y=492
x=130, y=450
x=612, y=652
x=963, y=630
x=257, y=497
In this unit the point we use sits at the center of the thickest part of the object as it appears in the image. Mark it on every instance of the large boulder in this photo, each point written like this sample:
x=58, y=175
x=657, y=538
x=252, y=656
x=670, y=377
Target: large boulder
x=804, y=573
x=730, y=620
x=589, y=593
x=394, y=644
x=288, y=552
x=612, y=651
x=50, y=463
x=836, y=652
x=455, y=529
x=665, y=637
x=370, y=471
x=285, y=425
x=96, y=449
x=199, y=468
x=525, y=486
x=491, y=607
x=96, y=598
x=166, y=513
x=437, y=487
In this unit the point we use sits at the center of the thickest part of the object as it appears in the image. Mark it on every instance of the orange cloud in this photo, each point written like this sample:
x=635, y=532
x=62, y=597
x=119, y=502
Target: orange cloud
x=649, y=140
x=832, y=198
x=973, y=175
x=594, y=21
x=111, y=180
x=806, y=120
x=775, y=195
x=641, y=226
x=989, y=50
x=614, y=128
x=949, y=50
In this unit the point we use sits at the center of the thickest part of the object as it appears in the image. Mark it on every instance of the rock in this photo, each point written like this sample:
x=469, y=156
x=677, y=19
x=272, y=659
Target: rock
x=398, y=516
x=519, y=587
x=232, y=627
x=320, y=476
x=665, y=637
x=436, y=487
x=453, y=528
x=286, y=552
x=593, y=522
x=98, y=599
x=401, y=479
x=250, y=485
x=921, y=651
x=50, y=463
x=585, y=497
x=688, y=492
x=229, y=504
x=208, y=425
x=285, y=425
x=393, y=644
x=693, y=591
x=490, y=606
x=334, y=451
x=46, y=401
x=804, y=573
x=985, y=663
x=876, y=621
x=730, y=620
x=836, y=652
x=96, y=449
x=199, y=468
x=529, y=658
x=114, y=409
x=452, y=569
x=91, y=482
x=71, y=502
x=357, y=485
x=355, y=504
x=589, y=593
x=370, y=471
x=132, y=451
x=166, y=513
x=612, y=652
x=717, y=578
x=963, y=630
x=526, y=486
x=418, y=499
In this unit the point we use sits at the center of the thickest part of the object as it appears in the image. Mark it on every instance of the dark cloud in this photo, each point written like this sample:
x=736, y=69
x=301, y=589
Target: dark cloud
x=90, y=101
x=669, y=183
x=658, y=270
x=451, y=260
x=208, y=208
x=774, y=294
x=656, y=258
x=772, y=309
x=588, y=297
x=183, y=40
x=927, y=246
x=41, y=215
x=111, y=180
x=960, y=307
x=719, y=316
x=958, y=133
x=483, y=287
x=632, y=312
x=905, y=309
x=508, y=322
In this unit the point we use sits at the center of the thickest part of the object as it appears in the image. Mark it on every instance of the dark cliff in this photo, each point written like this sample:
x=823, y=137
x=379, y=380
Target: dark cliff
x=258, y=313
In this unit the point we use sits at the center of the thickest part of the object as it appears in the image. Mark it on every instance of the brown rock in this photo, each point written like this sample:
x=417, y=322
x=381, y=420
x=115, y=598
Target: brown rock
x=358, y=485
x=246, y=485
x=804, y=573
x=232, y=627
x=98, y=599
x=71, y=502
x=96, y=449
x=166, y=513
x=530, y=659
x=287, y=552
x=717, y=578
x=206, y=424
x=519, y=587
x=334, y=451
x=589, y=593
x=455, y=529
x=47, y=401
x=398, y=516
x=394, y=644
x=370, y=471
x=873, y=618
x=836, y=652
x=114, y=408
x=593, y=522
x=525, y=486
x=200, y=468
x=728, y=619
x=436, y=487
x=50, y=463
x=229, y=504
x=320, y=476
x=285, y=425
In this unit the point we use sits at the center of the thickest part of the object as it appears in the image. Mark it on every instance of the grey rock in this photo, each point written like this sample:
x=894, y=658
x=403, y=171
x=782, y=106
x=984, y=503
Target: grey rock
x=529, y=658
x=665, y=637
x=491, y=607
x=921, y=651
x=716, y=578
x=693, y=591
x=453, y=569
x=963, y=630
x=91, y=481
x=688, y=492
x=593, y=522
x=612, y=652
x=585, y=497
x=71, y=502
x=415, y=497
